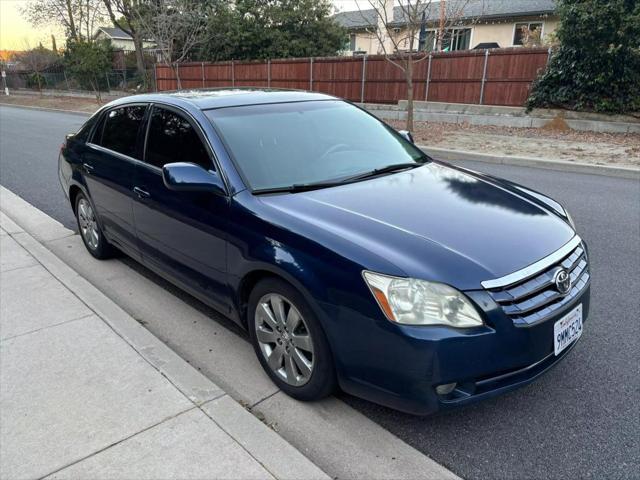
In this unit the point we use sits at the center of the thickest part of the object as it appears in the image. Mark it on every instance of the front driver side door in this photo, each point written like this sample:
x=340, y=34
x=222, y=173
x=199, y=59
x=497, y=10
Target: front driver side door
x=183, y=234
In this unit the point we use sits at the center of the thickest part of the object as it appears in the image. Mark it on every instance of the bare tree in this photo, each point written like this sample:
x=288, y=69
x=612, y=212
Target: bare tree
x=36, y=60
x=176, y=26
x=396, y=44
x=79, y=18
x=398, y=38
x=124, y=14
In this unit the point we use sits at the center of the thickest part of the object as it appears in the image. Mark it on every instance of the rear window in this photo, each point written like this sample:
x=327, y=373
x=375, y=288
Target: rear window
x=121, y=128
x=83, y=133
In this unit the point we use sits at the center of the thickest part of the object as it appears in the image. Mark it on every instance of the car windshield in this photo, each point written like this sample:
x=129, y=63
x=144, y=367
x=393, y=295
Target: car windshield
x=305, y=143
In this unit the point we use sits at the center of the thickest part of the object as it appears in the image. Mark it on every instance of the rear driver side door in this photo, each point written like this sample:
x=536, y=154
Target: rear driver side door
x=183, y=234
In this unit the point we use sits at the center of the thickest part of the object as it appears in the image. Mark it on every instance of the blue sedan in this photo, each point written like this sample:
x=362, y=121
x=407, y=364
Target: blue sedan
x=352, y=258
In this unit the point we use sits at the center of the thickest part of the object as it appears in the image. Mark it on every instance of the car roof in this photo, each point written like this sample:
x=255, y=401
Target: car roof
x=207, y=99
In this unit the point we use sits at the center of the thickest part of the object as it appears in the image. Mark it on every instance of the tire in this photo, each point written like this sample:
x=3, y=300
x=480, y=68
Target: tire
x=302, y=343
x=90, y=230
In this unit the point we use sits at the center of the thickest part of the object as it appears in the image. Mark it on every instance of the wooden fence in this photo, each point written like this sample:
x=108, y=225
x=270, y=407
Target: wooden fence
x=488, y=77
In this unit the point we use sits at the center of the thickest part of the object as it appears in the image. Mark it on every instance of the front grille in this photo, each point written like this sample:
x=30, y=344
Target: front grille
x=535, y=299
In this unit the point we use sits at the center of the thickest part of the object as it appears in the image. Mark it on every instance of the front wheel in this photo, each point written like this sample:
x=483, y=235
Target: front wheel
x=90, y=231
x=289, y=341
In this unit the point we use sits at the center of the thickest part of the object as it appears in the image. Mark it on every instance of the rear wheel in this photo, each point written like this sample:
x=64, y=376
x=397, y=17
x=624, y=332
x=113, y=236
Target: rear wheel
x=90, y=231
x=289, y=341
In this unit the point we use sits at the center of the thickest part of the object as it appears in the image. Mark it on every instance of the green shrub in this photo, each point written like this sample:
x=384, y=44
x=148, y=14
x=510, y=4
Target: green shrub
x=597, y=65
x=88, y=63
x=36, y=80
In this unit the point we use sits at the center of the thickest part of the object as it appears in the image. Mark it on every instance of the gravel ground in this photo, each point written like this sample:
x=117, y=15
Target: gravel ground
x=562, y=144
x=80, y=104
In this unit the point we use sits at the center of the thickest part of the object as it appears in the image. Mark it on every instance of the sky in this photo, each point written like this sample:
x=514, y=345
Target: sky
x=16, y=33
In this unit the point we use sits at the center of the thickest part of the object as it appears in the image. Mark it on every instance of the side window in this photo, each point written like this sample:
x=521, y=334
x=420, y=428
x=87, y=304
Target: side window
x=120, y=132
x=173, y=139
x=83, y=133
x=96, y=137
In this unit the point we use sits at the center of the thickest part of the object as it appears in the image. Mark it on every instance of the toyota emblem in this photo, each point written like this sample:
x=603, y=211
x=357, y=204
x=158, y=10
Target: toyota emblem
x=562, y=279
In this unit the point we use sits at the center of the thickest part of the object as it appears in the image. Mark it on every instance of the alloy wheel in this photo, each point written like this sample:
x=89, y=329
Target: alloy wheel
x=88, y=224
x=284, y=339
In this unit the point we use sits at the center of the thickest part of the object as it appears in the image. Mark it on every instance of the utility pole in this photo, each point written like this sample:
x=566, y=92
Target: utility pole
x=4, y=82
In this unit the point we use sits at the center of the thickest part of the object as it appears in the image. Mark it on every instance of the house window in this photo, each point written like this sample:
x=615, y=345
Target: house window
x=456, y=39
x=352, y=42
x=520, y=31
x=427, y=41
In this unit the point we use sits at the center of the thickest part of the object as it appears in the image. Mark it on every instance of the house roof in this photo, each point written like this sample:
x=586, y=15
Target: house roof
x=484, y=9
x=113, y=32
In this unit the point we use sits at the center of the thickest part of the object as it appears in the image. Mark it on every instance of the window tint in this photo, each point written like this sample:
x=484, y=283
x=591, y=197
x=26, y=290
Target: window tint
x=120, y=131
x=173, y=139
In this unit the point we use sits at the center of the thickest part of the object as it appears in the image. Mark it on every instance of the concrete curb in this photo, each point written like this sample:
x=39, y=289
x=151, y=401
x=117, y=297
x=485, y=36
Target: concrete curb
x=47, y=109
x=344, y=443
x=282, y=460
x=453, y=155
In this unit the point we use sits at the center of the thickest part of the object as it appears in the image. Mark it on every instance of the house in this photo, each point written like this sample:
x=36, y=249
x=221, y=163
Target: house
x=469, y=23
x=120, y=40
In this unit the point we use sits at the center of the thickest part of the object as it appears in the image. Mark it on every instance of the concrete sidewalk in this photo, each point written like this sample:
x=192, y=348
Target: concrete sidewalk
x=86, y=392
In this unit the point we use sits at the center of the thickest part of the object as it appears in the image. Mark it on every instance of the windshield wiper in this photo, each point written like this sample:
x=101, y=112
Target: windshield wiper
x=306, y=187
x=396, y=167
x=298, y=187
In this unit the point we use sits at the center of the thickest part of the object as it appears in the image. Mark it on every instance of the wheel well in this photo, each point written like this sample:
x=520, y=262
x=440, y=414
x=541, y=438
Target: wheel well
x=73, y=193
x=246, y=286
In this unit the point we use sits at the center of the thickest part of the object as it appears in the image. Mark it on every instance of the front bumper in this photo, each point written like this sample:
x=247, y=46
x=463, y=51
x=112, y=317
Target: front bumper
x=401, y=366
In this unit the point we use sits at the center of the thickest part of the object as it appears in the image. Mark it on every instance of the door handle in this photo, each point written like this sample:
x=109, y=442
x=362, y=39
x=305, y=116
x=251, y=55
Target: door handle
x=87, y=167
x=141, y=193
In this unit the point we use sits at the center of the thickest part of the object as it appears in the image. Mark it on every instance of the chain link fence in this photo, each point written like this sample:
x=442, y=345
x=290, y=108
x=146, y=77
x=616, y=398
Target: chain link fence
x=57, y=79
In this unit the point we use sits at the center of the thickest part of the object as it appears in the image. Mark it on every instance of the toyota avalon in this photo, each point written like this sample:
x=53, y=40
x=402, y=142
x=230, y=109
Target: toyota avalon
x=352, y=259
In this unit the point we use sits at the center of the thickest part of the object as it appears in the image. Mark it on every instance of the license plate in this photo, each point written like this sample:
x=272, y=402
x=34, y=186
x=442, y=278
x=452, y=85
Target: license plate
x=567, y=330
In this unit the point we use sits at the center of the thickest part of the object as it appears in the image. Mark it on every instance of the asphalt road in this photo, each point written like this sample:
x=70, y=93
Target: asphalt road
x=581, y=420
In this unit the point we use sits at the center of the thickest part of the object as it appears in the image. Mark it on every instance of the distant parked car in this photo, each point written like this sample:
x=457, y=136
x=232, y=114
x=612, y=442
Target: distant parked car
x=351, y=257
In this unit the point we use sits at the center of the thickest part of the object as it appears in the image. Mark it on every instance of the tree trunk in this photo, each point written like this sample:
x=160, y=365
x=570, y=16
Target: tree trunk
x=39, y=84
x=441, y=24
x=73, y=32
x=139, y=47
x=177, y=75
x=409, y=78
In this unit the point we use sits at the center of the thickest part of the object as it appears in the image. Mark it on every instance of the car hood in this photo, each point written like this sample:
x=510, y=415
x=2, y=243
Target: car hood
x=435, y=222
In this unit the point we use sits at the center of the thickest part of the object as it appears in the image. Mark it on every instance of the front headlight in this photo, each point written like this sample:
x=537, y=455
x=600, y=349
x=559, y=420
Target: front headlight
x=418, y=302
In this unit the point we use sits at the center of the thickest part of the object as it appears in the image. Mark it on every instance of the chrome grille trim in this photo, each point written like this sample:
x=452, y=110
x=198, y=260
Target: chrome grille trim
x=535, y=297
x=534, y=268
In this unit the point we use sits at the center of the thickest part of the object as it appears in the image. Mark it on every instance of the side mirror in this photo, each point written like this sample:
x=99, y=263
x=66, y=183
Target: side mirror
x=189, y=177
x=406, y=134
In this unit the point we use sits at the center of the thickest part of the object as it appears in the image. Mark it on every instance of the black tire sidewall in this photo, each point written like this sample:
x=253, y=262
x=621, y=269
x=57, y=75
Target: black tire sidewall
x=323, y=379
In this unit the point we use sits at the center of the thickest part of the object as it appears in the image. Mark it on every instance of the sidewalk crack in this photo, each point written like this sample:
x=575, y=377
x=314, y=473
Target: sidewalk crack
x=48, y=326
x=118, y=442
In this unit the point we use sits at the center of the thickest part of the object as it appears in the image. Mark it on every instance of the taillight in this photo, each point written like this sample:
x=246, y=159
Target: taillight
x=66, y=138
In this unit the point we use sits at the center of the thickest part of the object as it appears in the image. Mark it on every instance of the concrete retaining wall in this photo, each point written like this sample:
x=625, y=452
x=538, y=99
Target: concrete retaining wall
x=505, y=116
